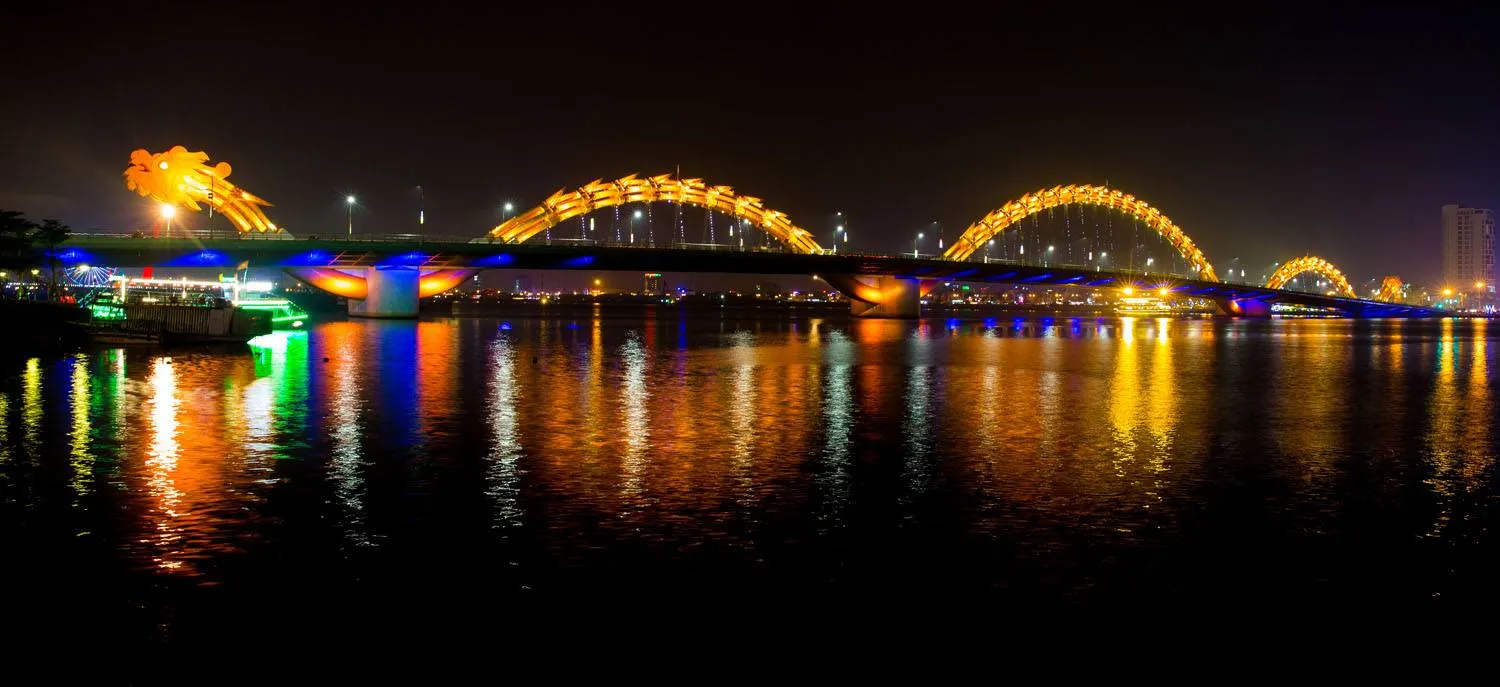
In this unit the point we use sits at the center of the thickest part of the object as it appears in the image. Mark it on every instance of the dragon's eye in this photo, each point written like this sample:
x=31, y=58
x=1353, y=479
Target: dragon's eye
x=163, y=164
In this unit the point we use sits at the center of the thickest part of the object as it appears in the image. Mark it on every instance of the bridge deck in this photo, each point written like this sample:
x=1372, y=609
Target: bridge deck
x=227, y=253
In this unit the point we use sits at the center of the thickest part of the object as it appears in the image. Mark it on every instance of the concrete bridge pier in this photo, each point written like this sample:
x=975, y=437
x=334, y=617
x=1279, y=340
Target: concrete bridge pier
x=383, y=291
x=390, y=293
x=880, y=295
x=1244, y=307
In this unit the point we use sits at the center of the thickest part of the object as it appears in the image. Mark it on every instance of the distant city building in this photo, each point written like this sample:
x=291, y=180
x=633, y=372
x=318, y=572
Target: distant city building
x=1468, y=248
x=523, y=284
x=654, y=284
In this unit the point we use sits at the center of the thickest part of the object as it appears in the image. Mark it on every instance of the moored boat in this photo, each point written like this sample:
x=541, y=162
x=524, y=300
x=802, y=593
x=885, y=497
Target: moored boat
x=136, y=309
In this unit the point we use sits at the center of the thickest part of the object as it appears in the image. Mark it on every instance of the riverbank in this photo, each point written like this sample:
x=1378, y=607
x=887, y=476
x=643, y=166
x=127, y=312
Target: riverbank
x=42, y=325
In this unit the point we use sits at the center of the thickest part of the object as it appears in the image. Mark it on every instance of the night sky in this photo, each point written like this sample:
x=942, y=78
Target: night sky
x=1338, y=132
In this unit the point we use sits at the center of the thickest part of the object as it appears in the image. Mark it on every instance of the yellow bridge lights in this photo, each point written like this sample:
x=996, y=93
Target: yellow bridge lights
x=564, y=205
x=1308, y=263
x=179, y=178
x=991, y=225
x=1392, y=289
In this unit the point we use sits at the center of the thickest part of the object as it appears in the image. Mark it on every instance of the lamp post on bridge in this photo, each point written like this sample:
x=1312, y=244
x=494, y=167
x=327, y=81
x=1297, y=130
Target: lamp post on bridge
x=421, y=214
x=839, y=227
x=349, y=201
x=914, y=245
x=987, y=248
x=633, y=219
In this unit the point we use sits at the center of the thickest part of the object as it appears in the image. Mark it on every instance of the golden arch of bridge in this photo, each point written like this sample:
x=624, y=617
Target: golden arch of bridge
x=1308, y=263
x=597, y=194
x=1011, y=213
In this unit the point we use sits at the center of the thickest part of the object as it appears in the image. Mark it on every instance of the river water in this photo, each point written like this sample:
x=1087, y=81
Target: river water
x=352, y=478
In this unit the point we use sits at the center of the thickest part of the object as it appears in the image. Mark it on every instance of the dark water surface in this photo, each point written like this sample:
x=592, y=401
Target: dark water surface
x=362, y=476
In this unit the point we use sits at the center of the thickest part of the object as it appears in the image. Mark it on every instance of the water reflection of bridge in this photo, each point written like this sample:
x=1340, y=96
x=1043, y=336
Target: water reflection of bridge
x=758, y=414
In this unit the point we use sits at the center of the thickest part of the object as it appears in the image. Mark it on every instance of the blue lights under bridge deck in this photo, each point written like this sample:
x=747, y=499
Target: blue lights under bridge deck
x=228, y=253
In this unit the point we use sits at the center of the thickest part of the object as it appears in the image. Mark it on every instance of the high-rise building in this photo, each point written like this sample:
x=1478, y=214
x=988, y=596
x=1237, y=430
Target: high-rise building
x=654, y=284
x=1468, y=248
x=522, y=284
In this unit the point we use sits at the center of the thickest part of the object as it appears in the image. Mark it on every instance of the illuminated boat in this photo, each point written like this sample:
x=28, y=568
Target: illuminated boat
x=1135, y=306
x=258, y=296
x=138, y=309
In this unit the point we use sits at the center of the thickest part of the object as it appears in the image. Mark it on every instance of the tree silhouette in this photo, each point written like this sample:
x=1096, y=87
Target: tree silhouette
x=19, y=238
x=51, y=233
x=16, y=236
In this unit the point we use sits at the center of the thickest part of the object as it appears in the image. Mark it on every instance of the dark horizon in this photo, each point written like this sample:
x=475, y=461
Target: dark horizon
x=1335, y=132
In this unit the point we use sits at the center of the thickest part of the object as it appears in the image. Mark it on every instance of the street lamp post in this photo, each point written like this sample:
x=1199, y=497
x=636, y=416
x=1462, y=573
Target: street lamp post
x=914, y=245
x=838, y=228
x=987, y=248
x=349, y=202
x=1050, y=249
x=505, y=211
x=421, y=214
x=633, y=219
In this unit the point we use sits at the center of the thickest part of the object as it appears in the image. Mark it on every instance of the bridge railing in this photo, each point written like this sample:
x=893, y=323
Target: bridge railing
x=420, y=239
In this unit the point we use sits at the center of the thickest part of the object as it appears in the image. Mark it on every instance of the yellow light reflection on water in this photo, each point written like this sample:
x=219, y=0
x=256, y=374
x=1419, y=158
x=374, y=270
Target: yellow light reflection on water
x=634, y=395
x=1479, y=388
x=1161, y=397
x=742, y=400
x=838, y=421
x=437, y=374
x=1125, y=395
x=504, y=488
x=1310, y=399
x=593, y=389
x=1477, y=407
x=988, y=401
x=346, y=410
x=917, y=472
x=1445, y=416
x=31, y=408
x=259, y=412
x=4, y=427
x=161, y=461
x=1459, y=444
x=81, y=457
